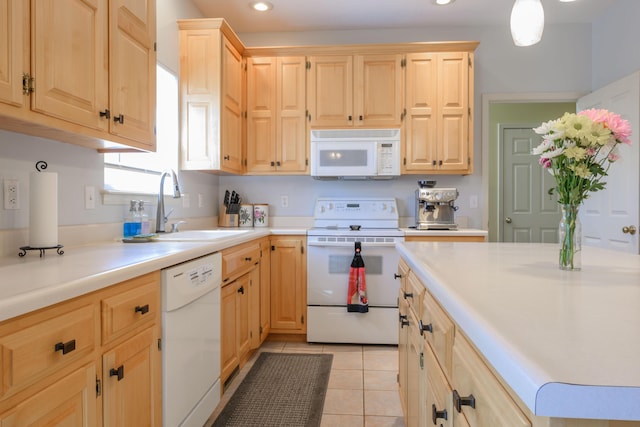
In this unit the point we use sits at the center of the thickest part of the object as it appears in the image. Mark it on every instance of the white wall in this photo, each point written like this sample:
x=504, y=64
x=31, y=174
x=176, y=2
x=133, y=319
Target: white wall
x=615, y=43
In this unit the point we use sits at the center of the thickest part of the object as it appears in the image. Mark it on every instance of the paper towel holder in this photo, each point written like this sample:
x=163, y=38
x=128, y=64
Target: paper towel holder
x=40, y=166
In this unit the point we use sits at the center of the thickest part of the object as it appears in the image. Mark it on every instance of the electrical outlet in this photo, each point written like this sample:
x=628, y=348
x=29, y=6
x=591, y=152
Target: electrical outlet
x=186, y=201
x=473, y=202
x=200, y=200
x=11, y=194
x=89, y=197
x=284, y=201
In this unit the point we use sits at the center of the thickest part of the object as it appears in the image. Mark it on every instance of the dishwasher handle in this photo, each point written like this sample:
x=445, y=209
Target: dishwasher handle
x=391, y=244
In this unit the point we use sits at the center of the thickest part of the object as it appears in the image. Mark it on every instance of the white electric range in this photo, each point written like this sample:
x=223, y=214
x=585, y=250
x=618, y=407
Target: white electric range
x=338, y=224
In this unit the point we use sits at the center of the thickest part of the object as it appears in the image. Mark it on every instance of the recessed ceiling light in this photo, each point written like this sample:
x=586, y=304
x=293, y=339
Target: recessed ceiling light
x=442, y=2
x=261, y=6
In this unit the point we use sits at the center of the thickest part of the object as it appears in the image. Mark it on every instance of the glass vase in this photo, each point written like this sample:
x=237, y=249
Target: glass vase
x=570, y=238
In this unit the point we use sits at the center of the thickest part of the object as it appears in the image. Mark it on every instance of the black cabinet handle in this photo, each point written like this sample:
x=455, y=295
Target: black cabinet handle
x=241, y=290
x=435, y=414
x=408, y=295
x=66, y=347
x=459, y=401
x=117, y=372
x=227, y=157
x=350, y=118
x=142, y=309
x=425, y=328
x=248, y=258
x=106, y=113
x=272, y=164
x=361, y=118
x=119, y=119
x=403, y=321
x=397, y=276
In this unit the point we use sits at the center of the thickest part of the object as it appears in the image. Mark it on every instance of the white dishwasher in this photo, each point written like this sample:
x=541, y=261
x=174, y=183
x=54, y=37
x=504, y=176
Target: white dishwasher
x=191, y=341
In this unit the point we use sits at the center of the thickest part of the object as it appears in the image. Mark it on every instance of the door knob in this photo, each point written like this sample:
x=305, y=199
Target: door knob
x=508, y=220
x=630, y=229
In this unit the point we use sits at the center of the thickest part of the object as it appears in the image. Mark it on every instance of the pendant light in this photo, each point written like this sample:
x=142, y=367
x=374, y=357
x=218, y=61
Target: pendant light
x=527, y=22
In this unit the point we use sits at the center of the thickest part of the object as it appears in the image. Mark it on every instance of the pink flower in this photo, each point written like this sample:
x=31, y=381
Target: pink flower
x=545, y=162
x=620, y=127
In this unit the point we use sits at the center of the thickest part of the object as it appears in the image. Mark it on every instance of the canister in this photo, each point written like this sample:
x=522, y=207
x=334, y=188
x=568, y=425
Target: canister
x=246, y=215
x=260, y=215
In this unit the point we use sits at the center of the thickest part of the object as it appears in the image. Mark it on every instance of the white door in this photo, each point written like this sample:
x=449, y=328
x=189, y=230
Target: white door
x=529, y=213
x=608, y=215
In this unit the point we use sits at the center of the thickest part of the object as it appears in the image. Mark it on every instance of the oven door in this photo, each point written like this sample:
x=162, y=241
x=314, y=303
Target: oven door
x=328, y=265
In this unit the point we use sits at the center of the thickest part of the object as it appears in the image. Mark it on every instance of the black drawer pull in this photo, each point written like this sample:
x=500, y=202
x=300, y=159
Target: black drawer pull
x=425, y=328
x=241, y=290
x=435, y=414
x=142, y=309
x=117, y=372
x=66, y=347
x=459, y=401
x=106, y=114
x=119, y=119
x=248, y=258
x=403, y=321
x=397, y=276
x=408, y=295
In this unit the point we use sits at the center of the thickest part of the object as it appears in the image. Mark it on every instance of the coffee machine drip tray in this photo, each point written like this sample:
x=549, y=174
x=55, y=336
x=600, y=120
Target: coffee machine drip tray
x=433, y=226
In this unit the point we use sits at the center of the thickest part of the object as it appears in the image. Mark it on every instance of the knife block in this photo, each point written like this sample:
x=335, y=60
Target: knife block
x=227, y=219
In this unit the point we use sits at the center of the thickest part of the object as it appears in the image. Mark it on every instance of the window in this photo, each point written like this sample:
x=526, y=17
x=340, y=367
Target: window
x=138, y=173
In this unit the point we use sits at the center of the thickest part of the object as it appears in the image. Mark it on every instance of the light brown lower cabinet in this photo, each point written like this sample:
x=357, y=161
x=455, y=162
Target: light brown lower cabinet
x=60, y=366
x=288, y=285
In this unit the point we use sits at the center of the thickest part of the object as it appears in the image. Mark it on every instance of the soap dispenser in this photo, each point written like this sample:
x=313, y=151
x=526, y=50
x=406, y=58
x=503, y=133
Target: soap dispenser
x=132, y=223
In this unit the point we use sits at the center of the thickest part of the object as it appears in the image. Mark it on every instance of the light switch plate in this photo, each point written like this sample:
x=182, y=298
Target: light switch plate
x=89, y=197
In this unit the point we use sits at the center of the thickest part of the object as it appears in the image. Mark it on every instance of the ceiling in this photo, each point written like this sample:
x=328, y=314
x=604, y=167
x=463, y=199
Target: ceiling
x=313, y=15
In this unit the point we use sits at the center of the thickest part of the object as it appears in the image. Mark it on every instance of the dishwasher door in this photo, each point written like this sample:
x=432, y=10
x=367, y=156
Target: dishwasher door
x=191, y=341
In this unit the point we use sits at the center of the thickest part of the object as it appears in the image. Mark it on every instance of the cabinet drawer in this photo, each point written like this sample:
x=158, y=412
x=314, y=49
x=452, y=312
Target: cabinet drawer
x=236, y=260
x=439, y=408
x=471, y=376
x=127, y=310
x=414, y=294
x=43, y=348
x=438, y=331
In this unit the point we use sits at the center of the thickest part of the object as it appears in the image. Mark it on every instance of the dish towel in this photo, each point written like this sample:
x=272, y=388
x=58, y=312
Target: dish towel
x=357, y=295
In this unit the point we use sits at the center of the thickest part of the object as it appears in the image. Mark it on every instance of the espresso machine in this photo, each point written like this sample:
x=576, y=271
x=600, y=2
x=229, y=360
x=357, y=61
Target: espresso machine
x=434, y=207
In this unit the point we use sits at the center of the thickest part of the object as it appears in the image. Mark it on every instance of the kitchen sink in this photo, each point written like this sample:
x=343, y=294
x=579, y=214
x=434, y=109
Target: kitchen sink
x=200, y=235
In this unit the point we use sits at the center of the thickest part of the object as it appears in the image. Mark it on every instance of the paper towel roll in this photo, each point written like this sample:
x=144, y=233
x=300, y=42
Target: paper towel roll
x=43, y=209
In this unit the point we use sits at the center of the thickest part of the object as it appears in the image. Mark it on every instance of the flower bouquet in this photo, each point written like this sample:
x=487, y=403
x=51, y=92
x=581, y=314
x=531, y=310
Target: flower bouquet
x=578, y=150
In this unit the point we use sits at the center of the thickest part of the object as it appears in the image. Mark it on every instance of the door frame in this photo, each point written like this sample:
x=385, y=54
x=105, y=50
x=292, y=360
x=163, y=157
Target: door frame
x=491, y=177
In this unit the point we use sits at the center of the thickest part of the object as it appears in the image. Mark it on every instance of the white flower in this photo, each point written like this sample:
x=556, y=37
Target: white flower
x=547, y=127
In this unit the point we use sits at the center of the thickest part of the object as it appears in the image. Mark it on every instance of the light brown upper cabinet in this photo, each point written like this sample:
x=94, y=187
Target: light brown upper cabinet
x=79, y=71
x=355, y=90
x=439, y=123
x=211, y=97
x=276, y=116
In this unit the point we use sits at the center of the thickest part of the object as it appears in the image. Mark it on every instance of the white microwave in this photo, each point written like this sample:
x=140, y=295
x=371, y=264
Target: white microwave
x=355, y=153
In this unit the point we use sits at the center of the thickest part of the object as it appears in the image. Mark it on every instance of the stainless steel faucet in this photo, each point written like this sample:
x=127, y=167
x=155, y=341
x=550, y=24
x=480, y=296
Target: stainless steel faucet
x=161, y=218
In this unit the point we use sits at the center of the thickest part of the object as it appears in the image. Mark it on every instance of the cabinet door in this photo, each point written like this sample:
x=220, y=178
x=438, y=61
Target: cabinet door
x=132, y=382
x=416, y=377
x=229, y=338
x=453, y=119
x=69, y=60
x=379, y=82
x=330, y=91
x=265, y=290
x=403, y=346
x=261, y=114
x=231, y=120
x=291, y=128
x=70, y=401
x=288, y=285
x=14, y=58
x=420, y=136
x=132, y=70
x=243, y=328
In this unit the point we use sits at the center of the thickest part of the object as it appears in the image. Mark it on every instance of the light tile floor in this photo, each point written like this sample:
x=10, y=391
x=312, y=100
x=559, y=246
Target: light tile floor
x=362, y=391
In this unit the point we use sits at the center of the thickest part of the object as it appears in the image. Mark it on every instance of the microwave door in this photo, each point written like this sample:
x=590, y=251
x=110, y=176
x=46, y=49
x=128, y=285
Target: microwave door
x=344, y=159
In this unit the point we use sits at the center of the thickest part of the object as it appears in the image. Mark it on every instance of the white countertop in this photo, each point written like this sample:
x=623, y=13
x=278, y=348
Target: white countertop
x=567, y=342
x=30, y=282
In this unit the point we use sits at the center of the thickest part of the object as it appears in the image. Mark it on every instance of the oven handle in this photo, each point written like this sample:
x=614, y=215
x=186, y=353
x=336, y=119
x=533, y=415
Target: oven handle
x=351, y=244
